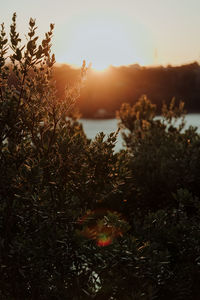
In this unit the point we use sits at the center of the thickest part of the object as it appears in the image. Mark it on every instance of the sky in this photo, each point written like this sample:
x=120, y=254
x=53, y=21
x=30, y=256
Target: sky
x=117, y=32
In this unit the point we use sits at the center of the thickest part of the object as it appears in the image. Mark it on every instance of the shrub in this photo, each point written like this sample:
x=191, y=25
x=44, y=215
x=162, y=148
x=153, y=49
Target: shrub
x=51, y=174
x=163, y=157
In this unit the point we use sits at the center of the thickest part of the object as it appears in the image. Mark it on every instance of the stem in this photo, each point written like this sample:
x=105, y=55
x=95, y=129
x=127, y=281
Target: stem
x=1, y=94
x=54, y=130
x=21, y=92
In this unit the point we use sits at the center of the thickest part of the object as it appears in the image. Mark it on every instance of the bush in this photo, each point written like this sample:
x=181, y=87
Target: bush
x=163, y=197
x=163, y=157
x=51, y=174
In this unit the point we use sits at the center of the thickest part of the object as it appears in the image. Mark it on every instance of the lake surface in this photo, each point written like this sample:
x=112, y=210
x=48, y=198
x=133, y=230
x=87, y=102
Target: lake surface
x=93, y=127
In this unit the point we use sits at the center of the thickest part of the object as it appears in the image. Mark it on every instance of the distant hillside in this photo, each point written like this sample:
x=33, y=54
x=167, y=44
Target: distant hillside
x=106, y=91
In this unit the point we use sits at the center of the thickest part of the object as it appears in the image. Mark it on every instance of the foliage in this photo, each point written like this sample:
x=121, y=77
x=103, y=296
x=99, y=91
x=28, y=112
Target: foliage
x=163, y=157
x=77, y=220
x=50, y=172
x=163, y=197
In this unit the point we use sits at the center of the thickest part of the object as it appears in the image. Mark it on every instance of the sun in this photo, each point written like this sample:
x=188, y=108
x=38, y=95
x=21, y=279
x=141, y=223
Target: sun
x=106, y=41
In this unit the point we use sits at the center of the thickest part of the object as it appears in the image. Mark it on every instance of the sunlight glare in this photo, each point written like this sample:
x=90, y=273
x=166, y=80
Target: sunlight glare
x=105, y=42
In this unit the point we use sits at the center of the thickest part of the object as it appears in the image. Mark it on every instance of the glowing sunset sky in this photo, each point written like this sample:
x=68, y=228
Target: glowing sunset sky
x=117, y=32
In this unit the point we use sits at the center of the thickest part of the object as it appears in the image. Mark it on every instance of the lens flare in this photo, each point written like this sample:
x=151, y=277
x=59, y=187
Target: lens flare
x=104, y=240
x=102, y=226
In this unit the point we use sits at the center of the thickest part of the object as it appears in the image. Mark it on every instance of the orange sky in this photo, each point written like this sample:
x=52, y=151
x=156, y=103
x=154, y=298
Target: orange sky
x=114, y=31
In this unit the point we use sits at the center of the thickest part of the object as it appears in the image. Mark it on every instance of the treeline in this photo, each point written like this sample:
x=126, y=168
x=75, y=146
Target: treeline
x=106, y=91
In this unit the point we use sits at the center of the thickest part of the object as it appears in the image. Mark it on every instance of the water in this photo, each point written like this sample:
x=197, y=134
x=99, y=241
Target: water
x=93, y=127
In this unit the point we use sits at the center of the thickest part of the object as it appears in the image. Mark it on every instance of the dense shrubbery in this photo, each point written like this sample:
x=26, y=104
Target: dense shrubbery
x=64, y=197
x=163, y=196
x=164, y=157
